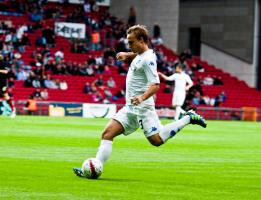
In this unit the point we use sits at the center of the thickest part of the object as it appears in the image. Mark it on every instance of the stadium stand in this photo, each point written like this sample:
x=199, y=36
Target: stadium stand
x=238, y=94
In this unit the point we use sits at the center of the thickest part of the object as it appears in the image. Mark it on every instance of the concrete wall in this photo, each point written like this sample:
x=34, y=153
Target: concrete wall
x=225, y=24
x=239, y=68
x=164, y=12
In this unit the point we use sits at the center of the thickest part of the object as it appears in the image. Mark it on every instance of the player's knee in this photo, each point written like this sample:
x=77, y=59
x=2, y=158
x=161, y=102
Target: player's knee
x=156, y=141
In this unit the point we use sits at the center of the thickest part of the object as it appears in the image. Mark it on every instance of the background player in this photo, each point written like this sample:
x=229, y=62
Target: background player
x=141, y=84
x=182, y=84
x=3, y=87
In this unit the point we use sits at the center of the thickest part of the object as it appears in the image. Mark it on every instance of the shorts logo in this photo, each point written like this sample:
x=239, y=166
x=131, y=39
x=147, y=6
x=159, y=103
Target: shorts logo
x=172, y=133
x=153, y=129
x=151, y=63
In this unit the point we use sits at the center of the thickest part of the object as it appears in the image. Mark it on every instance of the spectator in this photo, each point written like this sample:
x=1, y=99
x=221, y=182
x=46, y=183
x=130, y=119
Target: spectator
x=31, y=105
x=217, y=80
x=44, y=94
x=36, y=83
x=99, y=81
x=97, y=97
x=37, y=94
x=59, y=55
x=87, y=88
x=119, y=94
x=132, y=16
x=63, y=85
x=107, y=93
x=95, y=40
x=208, y=80
x=111, y=83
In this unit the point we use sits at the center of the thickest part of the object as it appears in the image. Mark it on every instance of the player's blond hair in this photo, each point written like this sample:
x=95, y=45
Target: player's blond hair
x=140, y=32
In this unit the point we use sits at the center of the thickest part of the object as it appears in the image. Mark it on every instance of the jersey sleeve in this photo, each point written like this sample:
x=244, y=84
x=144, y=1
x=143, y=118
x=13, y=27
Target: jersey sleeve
x=150, y=69
x=172, y=77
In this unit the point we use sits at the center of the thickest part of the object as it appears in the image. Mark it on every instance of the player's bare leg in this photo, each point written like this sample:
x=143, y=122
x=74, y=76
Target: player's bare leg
x=171, y=129
x=112, y=129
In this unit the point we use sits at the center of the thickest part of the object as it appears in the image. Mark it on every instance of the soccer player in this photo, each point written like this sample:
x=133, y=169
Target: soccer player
x=141, y=84
x=3, y=86
x=182, y=84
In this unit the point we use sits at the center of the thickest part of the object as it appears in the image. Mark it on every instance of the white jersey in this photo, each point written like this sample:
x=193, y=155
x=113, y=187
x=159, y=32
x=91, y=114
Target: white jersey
x=181, y=80
x=142, y=73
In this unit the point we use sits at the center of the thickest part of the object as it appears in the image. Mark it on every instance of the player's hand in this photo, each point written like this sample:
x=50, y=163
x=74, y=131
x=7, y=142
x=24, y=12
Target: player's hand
x=160, y=74
x=136, y=100
x=122, y=56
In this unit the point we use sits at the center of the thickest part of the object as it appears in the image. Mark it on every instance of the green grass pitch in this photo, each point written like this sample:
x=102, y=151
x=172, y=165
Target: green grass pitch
x=37, y=155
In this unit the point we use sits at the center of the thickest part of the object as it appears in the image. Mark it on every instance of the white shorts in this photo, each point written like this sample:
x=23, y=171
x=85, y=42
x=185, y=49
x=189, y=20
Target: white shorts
x=133, y=117
x=178, y=99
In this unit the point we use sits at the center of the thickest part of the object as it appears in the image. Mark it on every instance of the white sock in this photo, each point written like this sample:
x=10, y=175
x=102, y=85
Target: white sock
x=104, y=150
x=178, y=111
x=169, y=130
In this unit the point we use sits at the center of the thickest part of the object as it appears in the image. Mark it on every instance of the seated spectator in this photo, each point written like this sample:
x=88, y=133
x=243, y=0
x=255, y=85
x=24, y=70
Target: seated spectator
x=119, y=94
x=36, y=83
x=29, y=80
x=59, y=55
x=217, y=80
x=122, y=70
x=97, y=97
x=106, y=101
x=44, y=94
x=111, y=83
x=31, y=105
x=87, y=88
x=107, y=70
x=208, y=80
x=41, y=41
x=107, y=93
x=99, y=81
x=63, y=85
x=37, y=94
x=21, y=75
x=167, y=89
x=50, y=83
x=197, y=67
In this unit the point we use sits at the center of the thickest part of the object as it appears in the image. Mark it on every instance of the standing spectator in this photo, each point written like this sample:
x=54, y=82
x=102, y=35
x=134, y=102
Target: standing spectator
x=95, y=40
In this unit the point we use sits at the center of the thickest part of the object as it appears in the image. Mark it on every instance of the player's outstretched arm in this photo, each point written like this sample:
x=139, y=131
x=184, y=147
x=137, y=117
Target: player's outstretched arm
x=167, y=78
x=126, y=56
x=3, y=71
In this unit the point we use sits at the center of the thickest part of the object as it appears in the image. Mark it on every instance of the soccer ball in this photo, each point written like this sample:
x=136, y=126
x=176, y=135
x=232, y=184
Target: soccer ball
x=92, y=168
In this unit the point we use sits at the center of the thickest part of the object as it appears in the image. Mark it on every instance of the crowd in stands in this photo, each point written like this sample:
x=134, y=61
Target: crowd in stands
x=104, y=33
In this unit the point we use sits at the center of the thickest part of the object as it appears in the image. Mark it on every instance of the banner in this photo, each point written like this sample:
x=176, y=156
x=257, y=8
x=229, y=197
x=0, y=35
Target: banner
x=70, y=30
x=99, y=110
x=103, y=2
x=98, y=2
x=165, y=112
x=65, y=109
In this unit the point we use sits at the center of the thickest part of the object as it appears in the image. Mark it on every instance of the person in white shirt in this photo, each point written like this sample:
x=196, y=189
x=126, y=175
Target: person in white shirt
x=182, y=84
x=141, y=84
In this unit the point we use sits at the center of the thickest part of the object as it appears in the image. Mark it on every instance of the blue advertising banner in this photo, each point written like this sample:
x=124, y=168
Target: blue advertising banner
x=65, y=109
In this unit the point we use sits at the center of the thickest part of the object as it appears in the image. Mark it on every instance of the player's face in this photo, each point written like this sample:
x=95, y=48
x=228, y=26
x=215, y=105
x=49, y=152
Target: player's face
x=134, y=44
